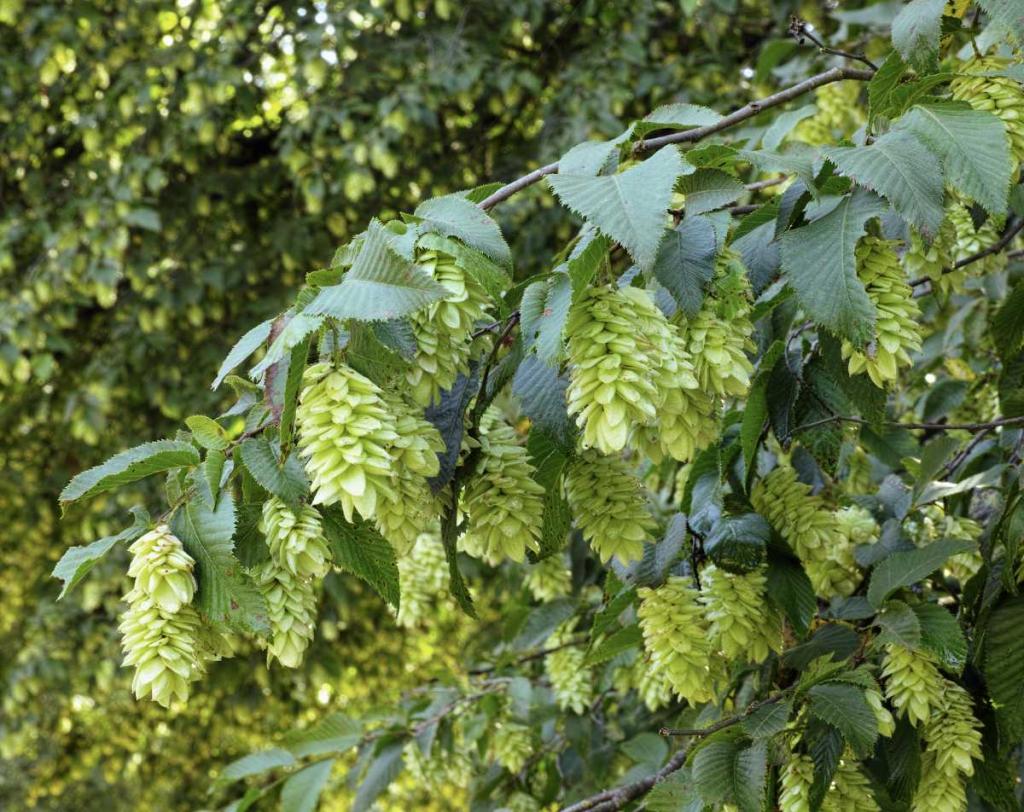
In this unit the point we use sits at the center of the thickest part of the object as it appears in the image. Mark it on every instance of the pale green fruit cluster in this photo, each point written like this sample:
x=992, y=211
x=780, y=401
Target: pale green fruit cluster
x=652, y=686
x=160, y=626
x=571, y=682
x=504, y=505
x=884, y=719
x=676, y=638
x=548, y=579
x=438, y=770
x=855, y=526
x=953, y=734
x=809, y=528
x=897, y=328
x=422, y=576
x=795, y=784
x=345, y=434
x=913, y=683
x=718, y=338
x=931, y=259
x=409, y=507
x=999, y=95
x=444, y=329
x=938, y=790
x=289, y=579
x=936, y=524
x=608, y=503
x=739, y=624
x=838, y=112
x=971, y=240
x=850, y=790
x=511, y=745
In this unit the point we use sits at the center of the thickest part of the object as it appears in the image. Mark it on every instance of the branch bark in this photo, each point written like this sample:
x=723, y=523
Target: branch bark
x=696, y=134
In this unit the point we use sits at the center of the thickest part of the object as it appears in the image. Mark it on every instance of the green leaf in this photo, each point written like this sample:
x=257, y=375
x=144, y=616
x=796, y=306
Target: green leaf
x=256, y=763
x=789, y=588
x=295, y=333
x=799, y=162
x=658, y=558
x=686, y=262
x=825, y=744
x=899, y=625
x=557, y=522
x=900, y=168
x=756, y=412
x=362, y=551
x=624, y=639
x=725, y=771
x=585, y=258
x=972, y=145
x=447, y=416
x=381, y=285
x=455, y=216
x=844, y=707
x=541, y=391
x=245, y=347
x=915, y=32
x=293, y=382
x=679, y=116
x=818, y=261
x=335, y=733
x=492, y=277
x=675, y=793
x=882, y=85
x=76, y=562
x=591, y=157
x=1008, y=322
x=1003, y=666
x=833, y=640
x=709, y=189
x=903, y=569
x=739, y=543
x=543, y=311
x=542, y=621
x=629, y=207
x=768, y=720
x=301, y=792
x=287, y=480
x=783, y=125
x=1007, y=16
x=207, y=432
x=226, y=595
x=942, y=636
x=130, y=466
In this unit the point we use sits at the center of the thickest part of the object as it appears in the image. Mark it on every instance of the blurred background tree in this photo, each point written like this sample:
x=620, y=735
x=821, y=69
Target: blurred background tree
x=167, y=171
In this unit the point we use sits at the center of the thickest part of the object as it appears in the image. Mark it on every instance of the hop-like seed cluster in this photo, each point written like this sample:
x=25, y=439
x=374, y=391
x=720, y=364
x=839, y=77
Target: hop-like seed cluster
x=511, y=745
x=934, y=524
x=504, y=505
x=886, y=724
x=572, y=683
x=838, y=112
x=346, y=433
x=160, y=626
x=652, y=685
x=952, y=735
x=804, y=522
x=676, y=638
x=548, y=579
x=971, y=240
x=739, y=625
x=933, y=260
x=897, y=332
x=855, y=526
x=718, y=337
x=609, y=506
x=795, y=784
x=850, y=790
x=938, y=790
x=288, y=580
x=422, y=576
x=443, y=330
x=999, y=95
x=913, y=684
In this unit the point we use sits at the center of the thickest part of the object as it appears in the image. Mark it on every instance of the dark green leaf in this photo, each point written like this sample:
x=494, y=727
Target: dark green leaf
x=1003, y=665
x=76, y=562
x=942, y=636
x=904, y=569
x=543, y=310
x=915, y=32
x=624, y=639
x=362, y=551
x=739, y=543
x=768, y=720
x=789, y=588
x=686, y=262
x=709, y=189
x=301, y=792
x=447, y=416
x=130, y=466
x=899, y=625
x=385, y=768
x=455, y=216
x=287, y=480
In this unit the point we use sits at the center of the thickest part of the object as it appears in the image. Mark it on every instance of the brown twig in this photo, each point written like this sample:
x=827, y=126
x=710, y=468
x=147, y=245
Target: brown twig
x=800, y=30
x=984, y=427
x=696, y=134
x=534, y=655
x=1012, y=229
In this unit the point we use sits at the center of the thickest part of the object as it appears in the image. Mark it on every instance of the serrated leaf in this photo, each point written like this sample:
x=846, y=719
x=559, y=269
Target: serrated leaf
x=256, y=763
x=972, y=145
x=789, y=588
x=542, y=621
x=294, y=333
x=629, y=207
x=678, y=116
x=709, y=189
x=455, y=216
x=76, y=562
x=818, y=260
x=380, y=285
x=942, y=636
x=768, y=720
x=844, y=707
x=686, y=262
x=825, y=745
x=624, y=639
x=832, y=640
x=899, y=625
x=1003, y=665
x=541, y=392
x=286, y=480
x=882, y=85
x=590, y=158
x=547, y=455
x=675, y=793
x=1007, y=16
x=293, y=382
x=585, y=258
x=130, y=466
x=902, y=169
x=783, y=125
x=543, y=311
x=724, y=771
x=335, y=733
x=903, y=569
x=659, y=557
x=915, y=32
x=1008, y=322
x=360, y=550
x=799, y=162
x=384, y=769
x=301, y=792
x=739, y=543
x=226, y=595
x=605, y=618
x=557, y=522
x=447, y=417
x=756, y=412
x=207, y=432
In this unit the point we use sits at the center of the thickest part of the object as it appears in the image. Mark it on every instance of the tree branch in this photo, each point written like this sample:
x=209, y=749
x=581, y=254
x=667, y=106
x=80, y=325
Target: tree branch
x=1013, y=228
x=800, y=30
x=983, y=427
x=697, y=133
